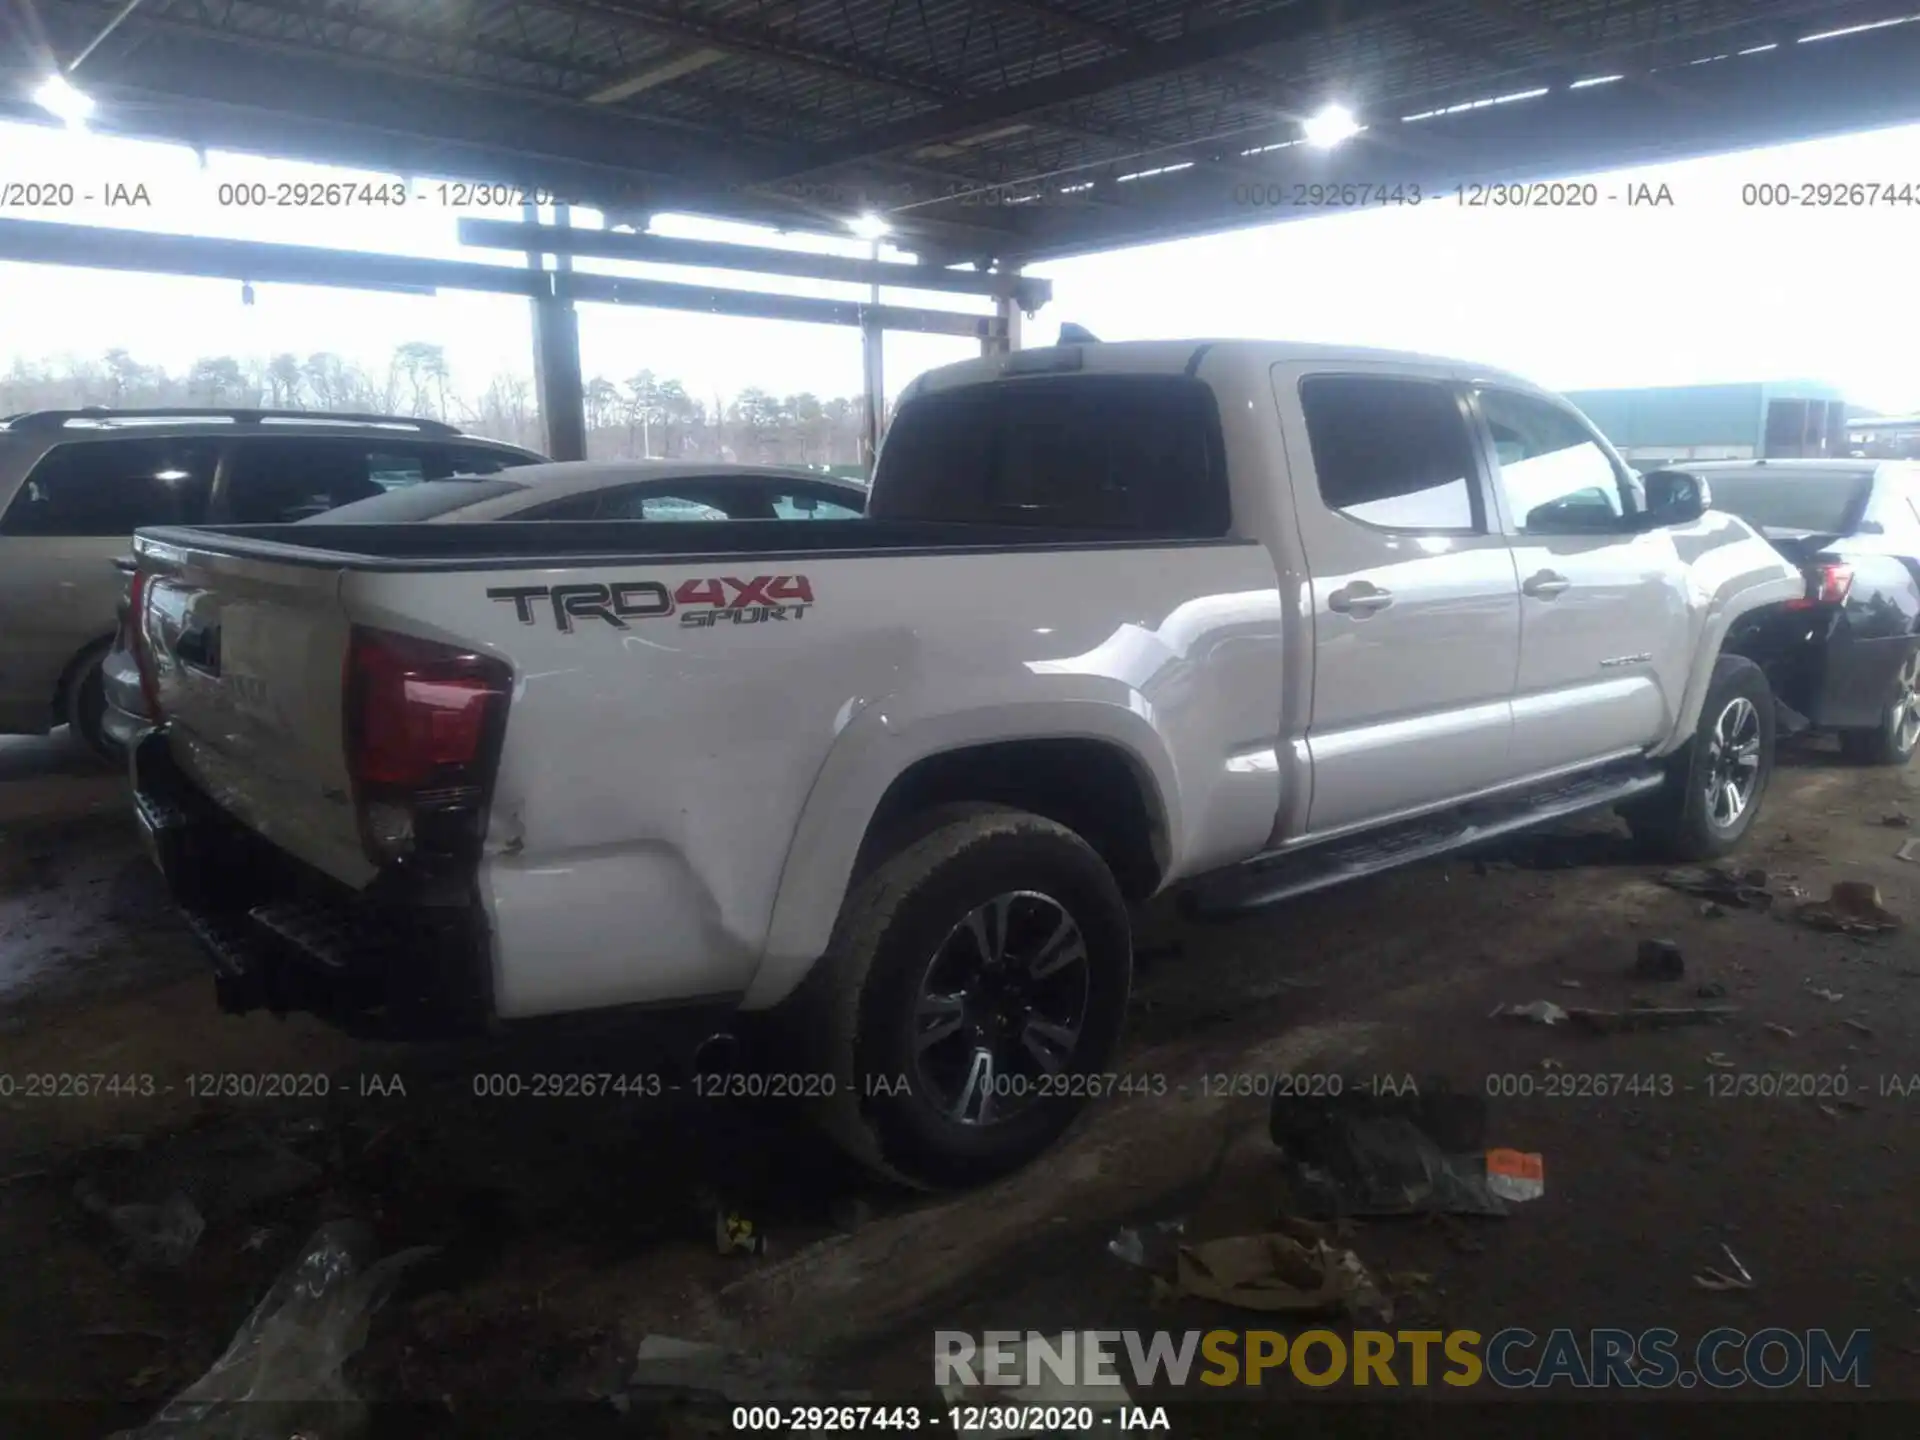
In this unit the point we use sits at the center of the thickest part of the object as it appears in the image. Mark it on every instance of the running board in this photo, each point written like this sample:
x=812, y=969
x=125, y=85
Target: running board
x=1269, y=879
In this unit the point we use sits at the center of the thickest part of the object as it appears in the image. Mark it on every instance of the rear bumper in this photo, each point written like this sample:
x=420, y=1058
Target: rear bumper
x=1837, y=680
x=407, y=958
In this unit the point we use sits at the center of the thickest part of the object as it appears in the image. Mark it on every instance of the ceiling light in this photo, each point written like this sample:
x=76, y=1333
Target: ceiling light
x=868, y=226
x=59, y=96
x=1333, y=124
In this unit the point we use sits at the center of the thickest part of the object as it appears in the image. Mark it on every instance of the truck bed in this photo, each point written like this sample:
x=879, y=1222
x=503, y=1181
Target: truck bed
x=518, y=544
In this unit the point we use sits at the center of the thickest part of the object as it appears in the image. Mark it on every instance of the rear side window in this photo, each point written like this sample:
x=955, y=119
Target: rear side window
x=275, y=481
x=1137, y=454
x=113, y=487
x=1814, y=501
x=1392, y=453
x=471, y=460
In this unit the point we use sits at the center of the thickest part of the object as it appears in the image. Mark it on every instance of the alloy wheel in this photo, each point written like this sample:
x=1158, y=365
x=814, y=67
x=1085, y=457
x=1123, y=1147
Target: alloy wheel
x=1001, y=1008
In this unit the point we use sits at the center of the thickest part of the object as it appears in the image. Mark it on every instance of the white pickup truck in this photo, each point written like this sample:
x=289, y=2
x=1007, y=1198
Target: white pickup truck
x=1239, y=618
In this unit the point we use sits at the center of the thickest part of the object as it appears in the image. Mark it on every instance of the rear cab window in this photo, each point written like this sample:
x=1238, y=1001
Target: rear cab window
x=274, y=480
x=1393, y=453
x=114, y=487
x=1138, y=454
x=1792, y=500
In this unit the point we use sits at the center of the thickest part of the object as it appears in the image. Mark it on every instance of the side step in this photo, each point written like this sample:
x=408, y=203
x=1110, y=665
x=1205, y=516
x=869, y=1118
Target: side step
x=1268, y=879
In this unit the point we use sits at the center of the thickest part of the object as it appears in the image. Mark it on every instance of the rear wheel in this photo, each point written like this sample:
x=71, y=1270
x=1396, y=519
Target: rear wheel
x=86, y=706
x=1716, y=782
x=1893, y=740
x=976, y=983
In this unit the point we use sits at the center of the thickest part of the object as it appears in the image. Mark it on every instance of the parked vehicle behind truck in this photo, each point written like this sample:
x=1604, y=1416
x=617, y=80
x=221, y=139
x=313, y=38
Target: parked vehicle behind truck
x=1237, y=619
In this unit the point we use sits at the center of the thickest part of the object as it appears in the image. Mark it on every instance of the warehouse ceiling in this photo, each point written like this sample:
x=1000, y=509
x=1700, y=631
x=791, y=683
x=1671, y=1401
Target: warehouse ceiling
x=1006, y=130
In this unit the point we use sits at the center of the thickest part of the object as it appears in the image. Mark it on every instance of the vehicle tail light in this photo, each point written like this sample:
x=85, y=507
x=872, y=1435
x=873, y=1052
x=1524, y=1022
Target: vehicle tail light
x=133, y=635
x=1826, y=585
x=423, y=727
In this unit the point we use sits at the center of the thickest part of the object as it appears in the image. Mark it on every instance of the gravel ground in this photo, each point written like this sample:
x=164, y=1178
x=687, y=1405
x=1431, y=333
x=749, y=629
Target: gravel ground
x=567, y=1230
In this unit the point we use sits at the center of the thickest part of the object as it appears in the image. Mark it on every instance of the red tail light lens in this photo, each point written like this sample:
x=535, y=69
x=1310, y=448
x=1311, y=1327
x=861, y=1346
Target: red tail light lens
x=419, y=713
x=1826, y=585
x=133, y=635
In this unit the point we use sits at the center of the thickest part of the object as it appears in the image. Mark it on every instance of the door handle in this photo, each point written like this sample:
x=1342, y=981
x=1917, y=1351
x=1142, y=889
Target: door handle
x=1359, y=599
x=1545, y=585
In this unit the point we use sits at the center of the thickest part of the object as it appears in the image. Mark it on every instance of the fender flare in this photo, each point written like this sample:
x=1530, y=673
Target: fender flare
x=1721, y=612
x=872, y=751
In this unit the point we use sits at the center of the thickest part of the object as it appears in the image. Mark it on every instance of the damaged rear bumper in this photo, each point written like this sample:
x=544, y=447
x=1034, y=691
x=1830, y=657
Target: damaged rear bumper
x=407, y=958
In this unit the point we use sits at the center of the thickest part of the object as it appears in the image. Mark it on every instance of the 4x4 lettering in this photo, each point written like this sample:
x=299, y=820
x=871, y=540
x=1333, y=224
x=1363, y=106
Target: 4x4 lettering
x=765, y=597
x=752, y=592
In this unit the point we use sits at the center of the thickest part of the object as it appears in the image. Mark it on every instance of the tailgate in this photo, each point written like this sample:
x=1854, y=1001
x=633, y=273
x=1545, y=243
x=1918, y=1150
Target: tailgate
x=248, y=659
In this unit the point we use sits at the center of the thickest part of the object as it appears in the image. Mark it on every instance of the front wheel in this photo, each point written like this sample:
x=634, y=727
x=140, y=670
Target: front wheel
x=974, y=991
x=1716, y=782
x=1892, y=741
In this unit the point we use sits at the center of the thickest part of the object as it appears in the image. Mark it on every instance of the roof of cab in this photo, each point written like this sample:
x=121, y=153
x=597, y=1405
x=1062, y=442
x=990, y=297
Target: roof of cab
x=557, y=478
x=1177, y=357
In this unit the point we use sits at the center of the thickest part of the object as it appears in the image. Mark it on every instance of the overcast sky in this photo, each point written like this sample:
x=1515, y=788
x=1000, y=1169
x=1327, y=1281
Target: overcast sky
x=1706, y=289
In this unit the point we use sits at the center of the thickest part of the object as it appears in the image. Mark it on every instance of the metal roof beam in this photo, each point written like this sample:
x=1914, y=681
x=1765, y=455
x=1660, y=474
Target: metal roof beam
x=1191, y=51
x=1031, y=291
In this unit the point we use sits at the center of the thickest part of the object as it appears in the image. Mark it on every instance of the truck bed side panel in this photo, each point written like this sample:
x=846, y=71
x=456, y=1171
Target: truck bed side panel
x=656, y=771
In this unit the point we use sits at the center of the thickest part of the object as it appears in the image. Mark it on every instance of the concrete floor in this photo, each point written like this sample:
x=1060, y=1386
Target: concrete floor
x=568, y=1229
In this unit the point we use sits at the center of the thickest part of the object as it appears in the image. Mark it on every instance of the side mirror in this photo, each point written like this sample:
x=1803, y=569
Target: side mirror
x=1674, y=498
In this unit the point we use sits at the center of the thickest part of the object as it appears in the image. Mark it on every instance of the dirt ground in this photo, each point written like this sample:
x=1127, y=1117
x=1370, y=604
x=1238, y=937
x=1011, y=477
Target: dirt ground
x=566, y=1230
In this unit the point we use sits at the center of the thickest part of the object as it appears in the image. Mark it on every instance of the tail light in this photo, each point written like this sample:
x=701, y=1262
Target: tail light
x=1826, y=585
x=423, y=728
x=133, y=637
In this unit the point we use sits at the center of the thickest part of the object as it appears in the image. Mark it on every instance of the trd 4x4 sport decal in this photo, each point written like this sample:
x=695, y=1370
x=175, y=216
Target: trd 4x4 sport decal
x=699, y=603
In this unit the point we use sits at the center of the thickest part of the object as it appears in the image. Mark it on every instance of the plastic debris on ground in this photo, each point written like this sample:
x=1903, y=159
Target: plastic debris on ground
x=1650, y=1017
x=160, y=1237
x=1852, y=907
x=1659, y=960
x=1540, y=1012
x=1276, y=1273
x=281, y=1375
x=1720, y=1061
x=1821, y=992
x=1359, y=1153
x=735, y=1234
x=1044, y=1365
x=666, y=1368
x=1909, y=851
x=1711, y=1278
x=1148, y=1247
x=1516, y=1174
x=1897, y=820
x=1748, y=889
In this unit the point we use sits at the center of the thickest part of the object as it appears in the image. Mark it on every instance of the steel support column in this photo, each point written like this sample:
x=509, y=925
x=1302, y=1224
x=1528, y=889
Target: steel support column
x=557, y=376
x=1005, y=338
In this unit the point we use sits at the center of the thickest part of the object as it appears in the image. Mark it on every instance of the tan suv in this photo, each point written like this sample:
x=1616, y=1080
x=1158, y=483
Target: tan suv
x=76, y=484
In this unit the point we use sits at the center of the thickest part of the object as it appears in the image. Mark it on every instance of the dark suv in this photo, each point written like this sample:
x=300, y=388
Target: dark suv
x=76, y=484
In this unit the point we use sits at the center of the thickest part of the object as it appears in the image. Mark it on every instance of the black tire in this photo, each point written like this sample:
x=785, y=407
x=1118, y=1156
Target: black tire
x=1894, y=739
x=905, y=925
x=85, y=706
x=1679, y=822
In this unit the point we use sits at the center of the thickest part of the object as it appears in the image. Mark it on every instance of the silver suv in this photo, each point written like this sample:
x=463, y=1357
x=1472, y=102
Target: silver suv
x=76, y=484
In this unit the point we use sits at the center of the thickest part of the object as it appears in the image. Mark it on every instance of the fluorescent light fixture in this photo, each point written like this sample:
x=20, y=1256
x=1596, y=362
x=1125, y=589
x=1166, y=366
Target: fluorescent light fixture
x=1595, y=80
x=1277, y=145
x=1076, y=189
x=1330, y=126
x=59, y=96
x=1706, y=59
x=869, y=226
x=1157, y=170
x=1757, y=50
x=1856, y=29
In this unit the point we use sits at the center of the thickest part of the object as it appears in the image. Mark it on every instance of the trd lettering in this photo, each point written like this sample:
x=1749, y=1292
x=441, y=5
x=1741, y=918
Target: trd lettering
x=724, y=597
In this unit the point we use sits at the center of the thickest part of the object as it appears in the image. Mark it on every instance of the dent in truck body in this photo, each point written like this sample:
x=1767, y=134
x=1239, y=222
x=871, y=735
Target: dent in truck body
x=766, y=749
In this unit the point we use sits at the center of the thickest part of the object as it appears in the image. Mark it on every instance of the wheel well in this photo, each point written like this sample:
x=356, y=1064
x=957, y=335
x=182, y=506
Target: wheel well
x=1093, y=788
x=84, y=656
